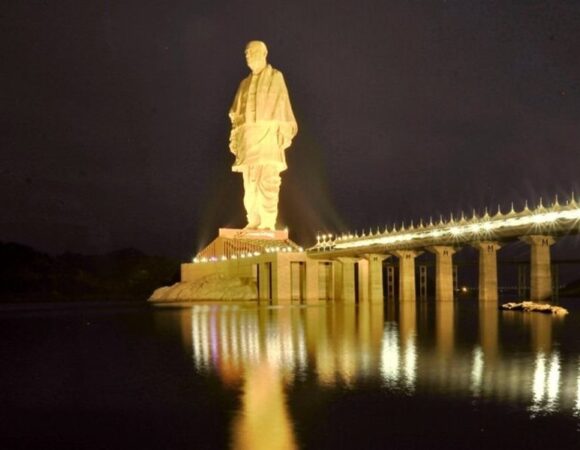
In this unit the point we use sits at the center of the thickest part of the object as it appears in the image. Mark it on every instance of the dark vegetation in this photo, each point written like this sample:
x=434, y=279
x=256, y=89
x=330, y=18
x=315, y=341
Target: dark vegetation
x=29, y=275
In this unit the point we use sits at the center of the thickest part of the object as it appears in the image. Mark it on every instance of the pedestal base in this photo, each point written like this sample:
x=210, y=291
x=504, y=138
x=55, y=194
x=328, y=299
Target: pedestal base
x=237, y=233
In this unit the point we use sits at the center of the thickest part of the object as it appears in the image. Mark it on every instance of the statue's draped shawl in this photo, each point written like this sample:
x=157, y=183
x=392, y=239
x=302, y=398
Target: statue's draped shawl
x=262, y=138
x=272, y=100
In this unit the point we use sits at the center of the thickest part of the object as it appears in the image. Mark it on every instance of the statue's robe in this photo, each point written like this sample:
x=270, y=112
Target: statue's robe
x=263, y=123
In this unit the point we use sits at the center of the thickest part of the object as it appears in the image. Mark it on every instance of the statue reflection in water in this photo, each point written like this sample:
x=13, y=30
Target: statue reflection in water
x=267, y=349
x=263, y=422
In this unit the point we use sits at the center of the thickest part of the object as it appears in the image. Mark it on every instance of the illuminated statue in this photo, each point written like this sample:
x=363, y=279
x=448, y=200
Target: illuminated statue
x=263, y=126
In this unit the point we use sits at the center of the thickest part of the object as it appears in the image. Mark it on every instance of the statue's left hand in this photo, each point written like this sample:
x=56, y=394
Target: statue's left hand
x=282, y=141
x=233, y=146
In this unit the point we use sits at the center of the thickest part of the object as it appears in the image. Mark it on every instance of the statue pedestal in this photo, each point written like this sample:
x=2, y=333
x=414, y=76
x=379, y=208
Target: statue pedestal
x=235, y=241
x=249, y=265
x=237, y=233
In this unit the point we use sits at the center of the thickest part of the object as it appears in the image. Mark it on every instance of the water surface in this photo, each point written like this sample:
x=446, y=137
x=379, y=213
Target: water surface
x=425, y=375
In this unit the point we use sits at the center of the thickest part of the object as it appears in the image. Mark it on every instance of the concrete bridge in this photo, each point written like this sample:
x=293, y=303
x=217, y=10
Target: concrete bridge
x=361, y=256
x=349, y=267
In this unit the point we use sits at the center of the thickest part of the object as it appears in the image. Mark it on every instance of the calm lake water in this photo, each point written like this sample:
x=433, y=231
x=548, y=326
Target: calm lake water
x=449, y=375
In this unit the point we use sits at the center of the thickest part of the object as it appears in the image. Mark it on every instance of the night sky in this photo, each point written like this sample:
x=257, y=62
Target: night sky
x=114, y=127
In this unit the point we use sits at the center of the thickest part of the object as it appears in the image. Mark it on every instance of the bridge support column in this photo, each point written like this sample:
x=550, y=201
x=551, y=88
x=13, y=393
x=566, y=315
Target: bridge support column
x=540, y=271
x=363, y=280
x=312, y=291
x=487, y=270
x=265, y=281
x=407, y=291
x=375, y=277
x=443, y=271
x=281, y=282
x=346, y=293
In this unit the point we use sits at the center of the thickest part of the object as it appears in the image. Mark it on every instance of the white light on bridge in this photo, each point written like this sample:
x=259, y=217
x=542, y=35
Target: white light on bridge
x=512, y=224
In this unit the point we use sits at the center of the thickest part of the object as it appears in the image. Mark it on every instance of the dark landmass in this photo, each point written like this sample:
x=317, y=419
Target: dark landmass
x=27, y=275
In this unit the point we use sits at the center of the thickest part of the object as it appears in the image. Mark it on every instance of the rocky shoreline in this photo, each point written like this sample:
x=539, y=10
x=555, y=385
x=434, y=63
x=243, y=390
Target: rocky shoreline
x=534, y=307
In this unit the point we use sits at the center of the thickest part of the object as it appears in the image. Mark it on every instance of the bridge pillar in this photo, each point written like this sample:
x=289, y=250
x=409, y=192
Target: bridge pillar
x=443, y=271
x=281, y=282
x=265, y=281
x=540, y=271
x=487, y=270
x=312, y=280
x=363, y=280
x=407, y=274
x=346, y=291
x=375, y=277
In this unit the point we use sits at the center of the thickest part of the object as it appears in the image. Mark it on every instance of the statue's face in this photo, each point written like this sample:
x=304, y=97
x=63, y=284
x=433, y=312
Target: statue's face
x=255, y=58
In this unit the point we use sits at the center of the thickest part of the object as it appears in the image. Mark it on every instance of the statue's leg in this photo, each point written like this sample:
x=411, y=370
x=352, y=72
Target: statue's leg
x=250, y=175
x=269, y=190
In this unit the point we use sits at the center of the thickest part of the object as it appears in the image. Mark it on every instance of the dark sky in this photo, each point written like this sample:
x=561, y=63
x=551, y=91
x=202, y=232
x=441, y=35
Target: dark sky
x=114, y=127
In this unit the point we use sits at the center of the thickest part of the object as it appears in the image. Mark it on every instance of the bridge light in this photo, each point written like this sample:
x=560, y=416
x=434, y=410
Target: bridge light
x=456, y=231
x=550, y=217
x=573, y=214
x=526, y=209
x=475, y=228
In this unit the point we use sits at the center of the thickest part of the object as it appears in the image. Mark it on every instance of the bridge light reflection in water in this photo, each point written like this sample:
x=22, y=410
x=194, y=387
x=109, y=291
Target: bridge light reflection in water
x=270, y=351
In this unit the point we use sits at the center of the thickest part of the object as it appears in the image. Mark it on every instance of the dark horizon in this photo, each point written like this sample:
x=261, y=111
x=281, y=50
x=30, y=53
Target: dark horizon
x=115, y=129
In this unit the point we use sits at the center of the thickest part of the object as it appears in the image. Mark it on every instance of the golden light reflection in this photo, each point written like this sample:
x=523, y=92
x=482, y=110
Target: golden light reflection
x=578, y=392
x=342, y=345
x=488, y=332
x=444, y=318
x=399, y=353
x=477, y=371
x=390, y=357
x=546, y=385
x=263, y=422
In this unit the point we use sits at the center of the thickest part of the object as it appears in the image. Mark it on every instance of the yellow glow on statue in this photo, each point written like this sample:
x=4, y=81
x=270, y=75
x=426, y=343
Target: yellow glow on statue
x=263, y=126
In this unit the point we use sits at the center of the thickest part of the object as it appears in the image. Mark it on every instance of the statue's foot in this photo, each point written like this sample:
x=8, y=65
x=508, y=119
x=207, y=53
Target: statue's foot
x=266, y=228
x=251, y=226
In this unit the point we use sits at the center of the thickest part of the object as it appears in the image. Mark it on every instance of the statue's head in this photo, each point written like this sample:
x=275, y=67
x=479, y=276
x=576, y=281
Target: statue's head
x=256, y=52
